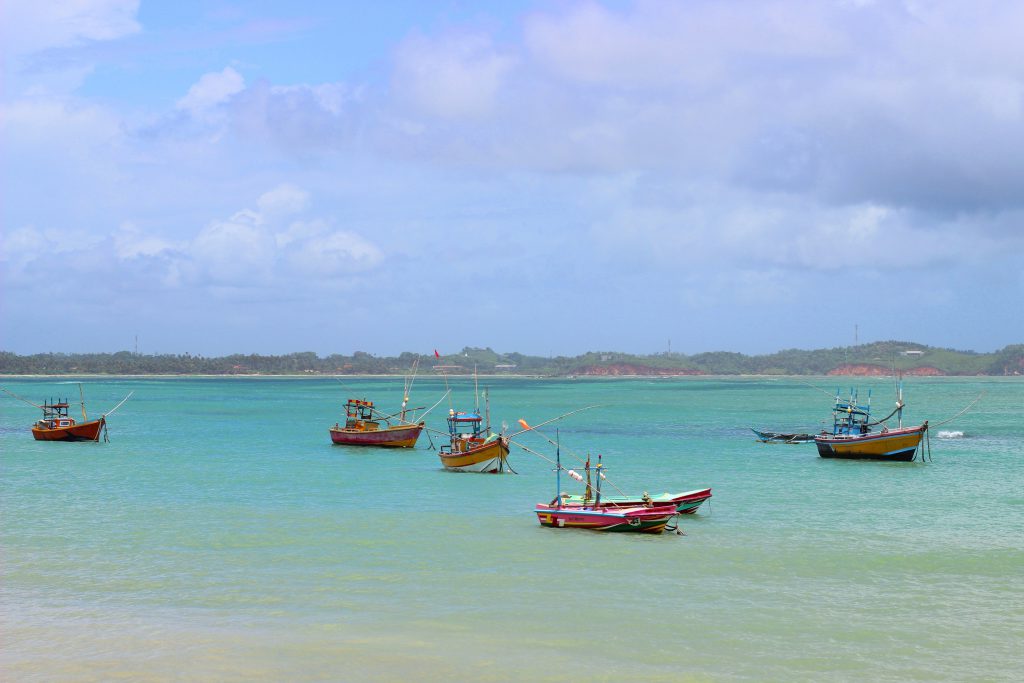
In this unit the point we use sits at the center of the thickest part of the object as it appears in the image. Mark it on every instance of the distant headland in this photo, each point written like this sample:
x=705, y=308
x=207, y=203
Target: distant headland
x=875, y=359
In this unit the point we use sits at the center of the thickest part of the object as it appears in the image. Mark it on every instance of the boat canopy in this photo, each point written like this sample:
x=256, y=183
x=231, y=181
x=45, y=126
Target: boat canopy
x=465, y=417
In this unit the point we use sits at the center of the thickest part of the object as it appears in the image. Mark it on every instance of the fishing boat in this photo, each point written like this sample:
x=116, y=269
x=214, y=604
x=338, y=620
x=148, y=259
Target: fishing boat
x=365, y=426
x=599, y=515
x=854, y=435
x=647, y=520
x=472, y=447
x=686, y=503
x=782, y=437
x=57, y=424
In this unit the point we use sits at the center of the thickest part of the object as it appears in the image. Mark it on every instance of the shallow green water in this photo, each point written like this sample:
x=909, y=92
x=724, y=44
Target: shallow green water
x=220, y=536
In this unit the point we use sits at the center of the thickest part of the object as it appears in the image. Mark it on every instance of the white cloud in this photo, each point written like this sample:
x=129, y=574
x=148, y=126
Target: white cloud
x=210, y=91
x=131, y=242
x=239, y=252
x=283, y=199
x=454, y=77
x=30, y=26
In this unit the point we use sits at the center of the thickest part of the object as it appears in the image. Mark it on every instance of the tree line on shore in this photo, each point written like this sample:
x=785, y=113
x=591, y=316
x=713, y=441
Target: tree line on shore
x=874, y=358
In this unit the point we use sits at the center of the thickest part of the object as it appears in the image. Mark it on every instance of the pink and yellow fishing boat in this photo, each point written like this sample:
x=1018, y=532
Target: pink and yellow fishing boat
x=596, y=514
x=646, y=520
x=364, y=426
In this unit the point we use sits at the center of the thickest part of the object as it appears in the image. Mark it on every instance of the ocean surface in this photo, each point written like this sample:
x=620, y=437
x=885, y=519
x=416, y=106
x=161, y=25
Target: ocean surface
x=219, y=536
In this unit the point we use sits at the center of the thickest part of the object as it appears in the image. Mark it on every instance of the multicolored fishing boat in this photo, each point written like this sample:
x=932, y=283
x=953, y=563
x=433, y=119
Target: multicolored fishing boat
x=58, y=425
x=647, y=520
x=596, y=514
x=365, y=426
x=854, y=437
x=472, y=447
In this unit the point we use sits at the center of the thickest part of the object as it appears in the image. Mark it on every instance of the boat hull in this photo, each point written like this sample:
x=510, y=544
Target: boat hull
x=487, y=458
x=83, y=431
x=403, y=436
x=897, y=445
x=685, y=503
x=644, y=520
x=782, y=437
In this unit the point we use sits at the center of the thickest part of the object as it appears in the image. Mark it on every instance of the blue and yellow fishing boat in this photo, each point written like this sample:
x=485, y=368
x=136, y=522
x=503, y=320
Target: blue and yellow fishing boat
x=854, y=436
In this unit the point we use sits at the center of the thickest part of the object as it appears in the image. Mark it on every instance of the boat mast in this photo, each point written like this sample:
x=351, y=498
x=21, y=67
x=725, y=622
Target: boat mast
x=899, y=404
x=81, y=394
x=487, y=409
x=589, y=491
x=558, y=470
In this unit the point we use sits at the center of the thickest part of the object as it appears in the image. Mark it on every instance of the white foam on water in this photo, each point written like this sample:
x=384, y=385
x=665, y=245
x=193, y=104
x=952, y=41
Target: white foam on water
x=950, y=435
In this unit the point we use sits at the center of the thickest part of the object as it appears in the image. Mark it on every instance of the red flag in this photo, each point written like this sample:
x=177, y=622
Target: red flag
x=436, y=354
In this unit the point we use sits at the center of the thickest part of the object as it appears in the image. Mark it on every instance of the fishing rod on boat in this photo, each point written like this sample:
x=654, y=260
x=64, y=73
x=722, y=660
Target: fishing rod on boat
x=383, y=417
x=827, y=393
x=557, y=446
x=24, y=400
x=81, y=395
x=424, y=414
x=111, y=411
x=559, y=465
x=968, y=407
x=528, y=428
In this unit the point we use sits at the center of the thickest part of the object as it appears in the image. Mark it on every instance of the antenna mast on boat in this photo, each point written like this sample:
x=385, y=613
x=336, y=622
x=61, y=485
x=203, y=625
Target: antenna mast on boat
x=408, y=387
x=476, y=389
x=487, y=409
x=558, y=470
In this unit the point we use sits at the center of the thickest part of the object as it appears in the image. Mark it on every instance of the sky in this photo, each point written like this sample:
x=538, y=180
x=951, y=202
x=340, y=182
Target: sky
x=216, y=177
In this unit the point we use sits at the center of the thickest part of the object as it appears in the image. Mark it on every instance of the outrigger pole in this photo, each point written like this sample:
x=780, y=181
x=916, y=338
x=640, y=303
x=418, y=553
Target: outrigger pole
x=23, y=400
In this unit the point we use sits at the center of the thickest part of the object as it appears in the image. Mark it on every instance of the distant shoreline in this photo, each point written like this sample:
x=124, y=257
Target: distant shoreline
x=572, y=378
x=875, y=359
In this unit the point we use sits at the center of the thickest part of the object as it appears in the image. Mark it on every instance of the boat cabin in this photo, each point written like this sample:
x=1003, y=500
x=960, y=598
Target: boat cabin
x=55, y=415
x=466, y=430
x=359, y=415
x=849, y=418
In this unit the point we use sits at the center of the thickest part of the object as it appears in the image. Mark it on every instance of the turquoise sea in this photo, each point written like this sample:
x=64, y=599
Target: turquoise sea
x=219, y=536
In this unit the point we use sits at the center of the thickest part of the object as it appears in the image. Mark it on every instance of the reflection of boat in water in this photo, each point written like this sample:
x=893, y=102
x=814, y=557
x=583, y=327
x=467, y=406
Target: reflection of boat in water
x=782, y=437
x=58, y=425
x=472, y=447
x=365, y=426
x=854, y=437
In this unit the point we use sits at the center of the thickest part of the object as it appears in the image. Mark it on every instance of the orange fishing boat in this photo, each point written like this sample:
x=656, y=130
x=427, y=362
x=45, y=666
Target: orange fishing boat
x=58, y=425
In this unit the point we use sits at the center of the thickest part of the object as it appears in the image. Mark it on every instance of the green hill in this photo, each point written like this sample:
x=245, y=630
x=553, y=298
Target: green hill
x=866, y=359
